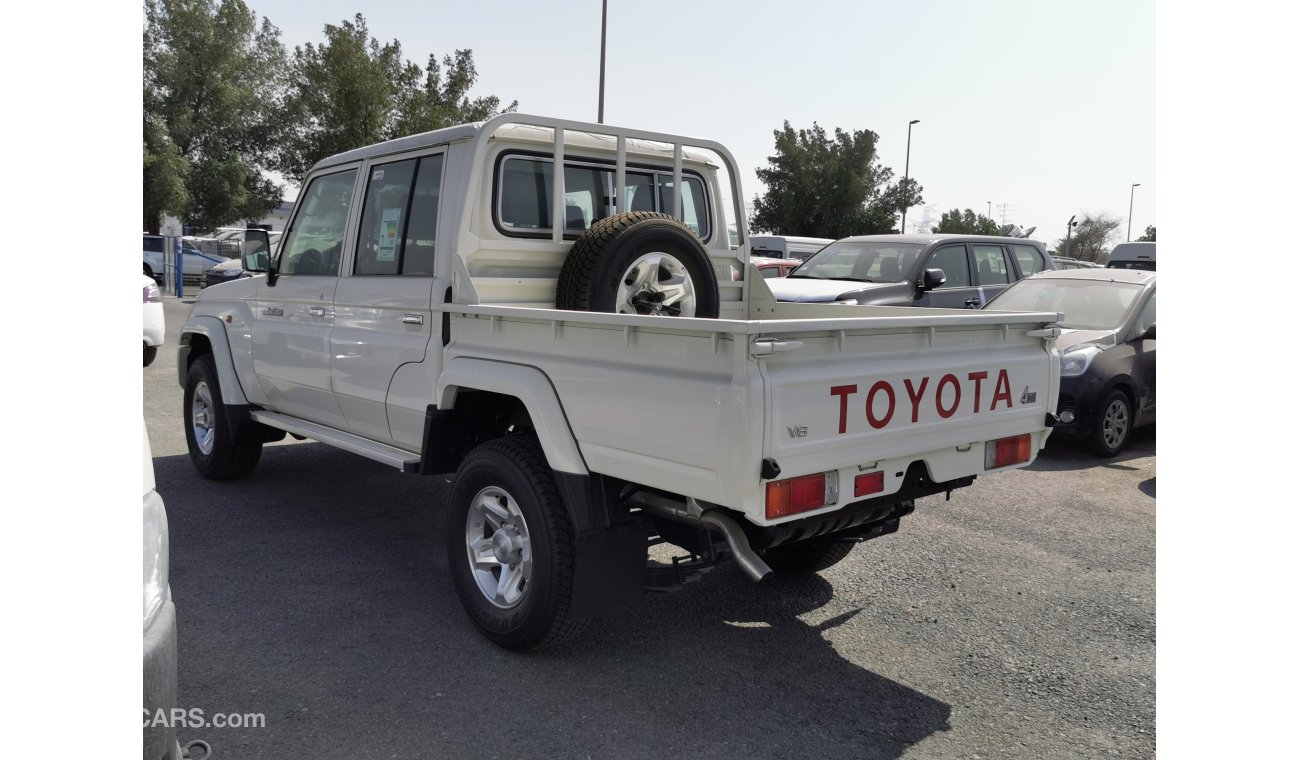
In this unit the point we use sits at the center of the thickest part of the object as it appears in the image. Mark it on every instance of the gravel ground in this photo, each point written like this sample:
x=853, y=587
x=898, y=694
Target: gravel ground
x=1016, y=620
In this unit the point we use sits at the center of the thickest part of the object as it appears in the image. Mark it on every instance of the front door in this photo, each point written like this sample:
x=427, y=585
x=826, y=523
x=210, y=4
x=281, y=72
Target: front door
x=958, y=292
x=293, y=318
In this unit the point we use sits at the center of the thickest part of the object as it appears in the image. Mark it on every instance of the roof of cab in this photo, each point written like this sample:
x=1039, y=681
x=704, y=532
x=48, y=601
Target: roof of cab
x=925, y=239
x=514, y=132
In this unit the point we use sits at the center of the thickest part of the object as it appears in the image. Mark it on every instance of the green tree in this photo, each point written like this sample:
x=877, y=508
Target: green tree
x=1090, y=240
x=350, y=91
x=820, y=186
x=213, y=90
x=966, y=223
x=1149, y=236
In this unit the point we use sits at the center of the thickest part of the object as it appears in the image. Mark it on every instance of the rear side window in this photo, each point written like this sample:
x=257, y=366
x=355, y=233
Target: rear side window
x=1029, y=258
x=315, y=239
x=524, y=190
x=992, y=265
x=153, y=244
x=952, y=260
x=399, y=221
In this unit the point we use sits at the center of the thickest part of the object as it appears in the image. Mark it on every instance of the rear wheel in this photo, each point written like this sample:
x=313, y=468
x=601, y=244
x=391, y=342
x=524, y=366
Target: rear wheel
x=510, y=546
x=150, y=353
x=805, y=558
x=1111, y=425
x=214, y=450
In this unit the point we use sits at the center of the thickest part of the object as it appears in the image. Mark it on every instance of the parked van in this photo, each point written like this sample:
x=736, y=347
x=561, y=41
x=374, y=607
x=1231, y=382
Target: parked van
x=1133, y=256
x=786, y=246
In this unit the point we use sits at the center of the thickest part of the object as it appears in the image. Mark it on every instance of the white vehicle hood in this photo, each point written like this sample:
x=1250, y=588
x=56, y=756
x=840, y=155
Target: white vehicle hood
x=815, y=291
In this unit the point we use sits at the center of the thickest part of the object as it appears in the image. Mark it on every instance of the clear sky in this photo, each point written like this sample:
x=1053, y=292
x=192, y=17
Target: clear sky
x=1045, y=108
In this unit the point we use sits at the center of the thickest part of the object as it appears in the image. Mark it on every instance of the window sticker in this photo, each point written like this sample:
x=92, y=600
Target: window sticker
x=388, y=234
x=377, y=175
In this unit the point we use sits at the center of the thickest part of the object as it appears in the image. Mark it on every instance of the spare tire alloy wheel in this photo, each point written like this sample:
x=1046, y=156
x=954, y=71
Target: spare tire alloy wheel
x=639, y=262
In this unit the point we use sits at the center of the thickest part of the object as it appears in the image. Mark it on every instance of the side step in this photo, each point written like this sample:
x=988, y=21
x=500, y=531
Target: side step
x=380, y=452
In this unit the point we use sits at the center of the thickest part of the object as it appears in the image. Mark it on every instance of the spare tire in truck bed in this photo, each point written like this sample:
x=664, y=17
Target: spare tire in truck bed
x=639, y=262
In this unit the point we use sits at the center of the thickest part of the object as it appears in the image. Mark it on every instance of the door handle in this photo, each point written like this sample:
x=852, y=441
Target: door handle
x=413, y=319
x=316, y=311
x=973, y=303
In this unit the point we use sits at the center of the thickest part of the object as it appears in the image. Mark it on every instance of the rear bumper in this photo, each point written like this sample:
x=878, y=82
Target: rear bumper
x=160, y=684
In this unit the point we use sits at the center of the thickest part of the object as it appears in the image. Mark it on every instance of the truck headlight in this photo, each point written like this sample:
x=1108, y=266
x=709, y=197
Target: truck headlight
x=1075, y=361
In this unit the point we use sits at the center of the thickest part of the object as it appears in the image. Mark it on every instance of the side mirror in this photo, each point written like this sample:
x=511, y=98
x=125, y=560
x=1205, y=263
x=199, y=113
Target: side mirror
x=931, y=279
x=256, y=253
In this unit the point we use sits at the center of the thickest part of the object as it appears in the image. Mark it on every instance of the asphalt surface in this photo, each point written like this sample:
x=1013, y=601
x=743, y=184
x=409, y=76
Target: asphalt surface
x=1016, y=620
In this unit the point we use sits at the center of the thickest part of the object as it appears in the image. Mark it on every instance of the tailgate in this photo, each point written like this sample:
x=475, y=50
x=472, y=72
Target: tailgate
x=868, y=396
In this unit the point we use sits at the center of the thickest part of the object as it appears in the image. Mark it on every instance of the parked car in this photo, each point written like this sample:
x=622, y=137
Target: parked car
x=786, y=246
x=193, y=261
x=159, y=626
x=153, y=320
x=1133, y=256
x=769, y=267
x=1108, y=349
x=1065, y=262
x=952, y=271
x=231, y=269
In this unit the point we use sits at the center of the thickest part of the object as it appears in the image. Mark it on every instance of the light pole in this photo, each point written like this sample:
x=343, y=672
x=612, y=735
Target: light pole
x=902, y=224
x=1129, y=235
x=990, y=209
x=600, y=114
x=1068, y=226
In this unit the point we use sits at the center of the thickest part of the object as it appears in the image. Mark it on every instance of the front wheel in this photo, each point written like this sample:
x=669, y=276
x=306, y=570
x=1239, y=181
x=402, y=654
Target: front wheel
x=150, y=353
x=510, y=546
x=214, y=450
x=1112, y=424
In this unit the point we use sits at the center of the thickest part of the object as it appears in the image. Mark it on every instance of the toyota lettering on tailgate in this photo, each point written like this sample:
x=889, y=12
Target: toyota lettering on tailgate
x=883, y=399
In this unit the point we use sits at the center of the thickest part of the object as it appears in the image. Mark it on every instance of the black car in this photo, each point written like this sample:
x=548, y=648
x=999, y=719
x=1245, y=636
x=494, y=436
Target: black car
x=1108, y=349
x=937, y=270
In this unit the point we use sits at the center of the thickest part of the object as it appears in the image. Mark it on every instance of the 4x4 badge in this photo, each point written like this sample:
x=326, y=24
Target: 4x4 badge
x=1028, y=397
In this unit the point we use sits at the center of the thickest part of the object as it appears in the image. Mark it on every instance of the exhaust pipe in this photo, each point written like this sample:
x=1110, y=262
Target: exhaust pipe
x=711, y=519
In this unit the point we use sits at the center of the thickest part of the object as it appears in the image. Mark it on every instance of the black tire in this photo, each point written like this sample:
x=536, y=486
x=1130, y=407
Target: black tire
x=150, y=353
x=1112, y=424
x=226, y=457
x=603, y=256
x=148, y=272
x=542, y=615
x=806, y=558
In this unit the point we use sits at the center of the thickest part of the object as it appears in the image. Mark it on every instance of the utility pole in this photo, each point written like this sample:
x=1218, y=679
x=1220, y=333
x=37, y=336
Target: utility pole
x=600, y=114
x=1068, y=227
x=1129, y=235
x=907, y=165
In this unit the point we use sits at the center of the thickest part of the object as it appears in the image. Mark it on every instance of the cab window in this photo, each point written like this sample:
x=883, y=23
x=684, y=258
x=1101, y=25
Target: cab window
x=1029, y=259
x=992, y=265
x=315, y=237
x=400, y=218
x=952, y=260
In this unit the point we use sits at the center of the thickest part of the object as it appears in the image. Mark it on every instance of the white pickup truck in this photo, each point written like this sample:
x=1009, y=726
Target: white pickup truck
x=600, y=386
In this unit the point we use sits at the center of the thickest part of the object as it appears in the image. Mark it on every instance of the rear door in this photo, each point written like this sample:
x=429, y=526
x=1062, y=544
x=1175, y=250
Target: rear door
x=993, y=270
x=383, y=315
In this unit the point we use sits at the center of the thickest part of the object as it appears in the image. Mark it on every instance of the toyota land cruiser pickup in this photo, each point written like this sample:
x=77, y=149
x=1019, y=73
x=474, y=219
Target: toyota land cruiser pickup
x=597, y=366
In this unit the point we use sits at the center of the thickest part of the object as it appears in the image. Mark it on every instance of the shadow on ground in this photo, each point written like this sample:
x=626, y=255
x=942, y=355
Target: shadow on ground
x=315, y=593
x=1063, y=454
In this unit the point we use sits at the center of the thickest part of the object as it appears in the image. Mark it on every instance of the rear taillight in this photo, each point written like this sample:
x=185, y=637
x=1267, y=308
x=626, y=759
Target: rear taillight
x=1006, y=451
x=151, y=294
x=872, y=482
x=794, y=495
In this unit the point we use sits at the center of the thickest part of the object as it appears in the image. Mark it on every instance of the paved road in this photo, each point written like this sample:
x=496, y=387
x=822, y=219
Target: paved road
x=1015, y=621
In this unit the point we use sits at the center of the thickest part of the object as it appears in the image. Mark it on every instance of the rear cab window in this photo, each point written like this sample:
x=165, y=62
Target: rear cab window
x=399, y=218
x=1029, y=258
x=523, y=195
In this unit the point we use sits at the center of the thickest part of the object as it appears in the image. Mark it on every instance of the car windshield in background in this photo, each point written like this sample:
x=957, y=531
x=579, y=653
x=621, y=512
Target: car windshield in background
x=1086, y=304
x=863, y=262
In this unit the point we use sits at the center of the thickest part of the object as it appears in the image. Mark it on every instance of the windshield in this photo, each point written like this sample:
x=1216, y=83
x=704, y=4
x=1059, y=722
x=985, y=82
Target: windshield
x=861, y=262
x=1087, y=304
